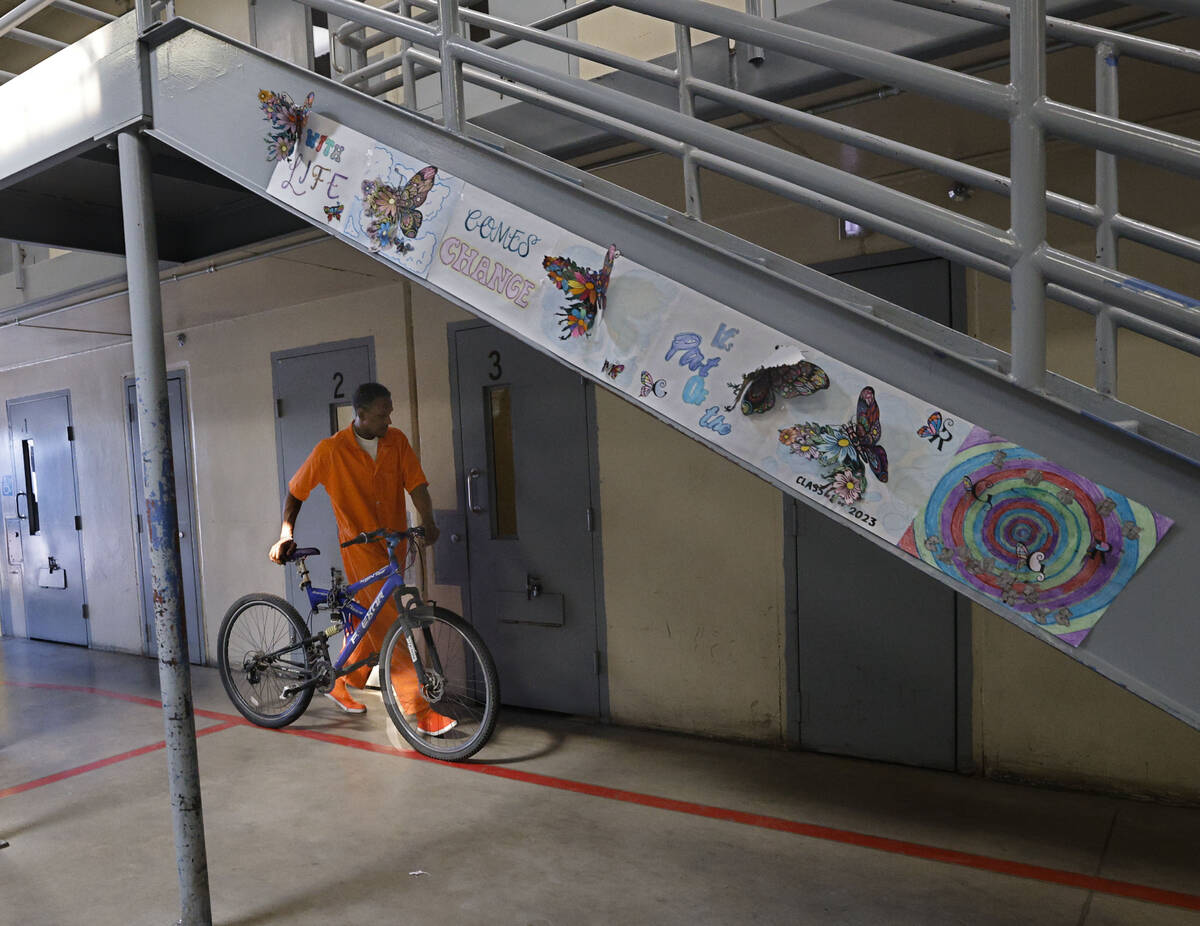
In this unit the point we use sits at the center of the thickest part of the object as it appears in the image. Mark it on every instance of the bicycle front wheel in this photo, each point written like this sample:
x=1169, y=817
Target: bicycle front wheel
x=260, y=652
x=452, y=715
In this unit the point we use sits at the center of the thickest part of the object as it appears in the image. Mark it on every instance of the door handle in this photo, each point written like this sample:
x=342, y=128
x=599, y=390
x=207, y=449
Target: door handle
x=180, y=535
x=474, y=505
x=533, y=587
x=25, y=516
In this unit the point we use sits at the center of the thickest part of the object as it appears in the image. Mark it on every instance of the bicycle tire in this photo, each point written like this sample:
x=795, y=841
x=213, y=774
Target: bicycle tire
x=467, y=689
x=255, y=624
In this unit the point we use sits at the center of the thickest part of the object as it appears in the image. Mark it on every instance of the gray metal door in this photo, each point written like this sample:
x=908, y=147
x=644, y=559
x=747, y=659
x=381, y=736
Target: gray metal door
x=883, y=652
x=314, y=387
x=877, y=646
x=181, y=454
x=524, y=423
x=48, y=509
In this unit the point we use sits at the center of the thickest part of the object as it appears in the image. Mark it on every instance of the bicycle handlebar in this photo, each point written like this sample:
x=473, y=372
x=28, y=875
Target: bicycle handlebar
x=392, y=537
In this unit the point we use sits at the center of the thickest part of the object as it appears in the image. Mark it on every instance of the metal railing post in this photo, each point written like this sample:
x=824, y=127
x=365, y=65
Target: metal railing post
x=408, y=71
x=1028, y=169
x=687, y=106
x=1107, y=104
x=756, y=54
x=18, y=262
x=158, y=474
x=452, y=79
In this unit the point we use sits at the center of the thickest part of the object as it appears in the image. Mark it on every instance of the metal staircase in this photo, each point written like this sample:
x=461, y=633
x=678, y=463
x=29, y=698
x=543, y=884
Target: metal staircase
x=178, y=83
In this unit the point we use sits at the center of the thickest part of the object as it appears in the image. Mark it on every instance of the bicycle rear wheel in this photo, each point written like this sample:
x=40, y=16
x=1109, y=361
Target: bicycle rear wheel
x=462, y=684
x=259, y=652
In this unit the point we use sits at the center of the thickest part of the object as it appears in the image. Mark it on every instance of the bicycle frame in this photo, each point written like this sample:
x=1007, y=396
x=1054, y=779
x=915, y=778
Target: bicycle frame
x=393, y=584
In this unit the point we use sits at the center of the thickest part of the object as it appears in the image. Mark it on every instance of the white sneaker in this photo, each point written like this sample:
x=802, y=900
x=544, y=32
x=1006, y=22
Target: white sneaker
x=372, y=680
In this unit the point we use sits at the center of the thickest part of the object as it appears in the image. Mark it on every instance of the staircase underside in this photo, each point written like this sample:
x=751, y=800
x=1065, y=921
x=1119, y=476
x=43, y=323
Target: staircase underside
x=201, y=104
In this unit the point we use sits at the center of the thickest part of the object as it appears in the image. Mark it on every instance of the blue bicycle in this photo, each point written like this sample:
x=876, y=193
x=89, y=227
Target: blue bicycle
x=431, y=659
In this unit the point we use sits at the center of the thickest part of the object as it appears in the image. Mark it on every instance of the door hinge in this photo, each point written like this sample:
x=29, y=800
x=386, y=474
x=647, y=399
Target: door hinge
x=85, y=611
x=70, y=433
x=591, y=519
x=599, y=666
x=132, y=414
x=279, y=408
x=139, y=517
x=78, y=523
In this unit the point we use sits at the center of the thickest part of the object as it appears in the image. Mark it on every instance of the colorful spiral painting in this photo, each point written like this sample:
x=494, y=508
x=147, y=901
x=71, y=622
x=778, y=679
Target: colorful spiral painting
x=1032, y=535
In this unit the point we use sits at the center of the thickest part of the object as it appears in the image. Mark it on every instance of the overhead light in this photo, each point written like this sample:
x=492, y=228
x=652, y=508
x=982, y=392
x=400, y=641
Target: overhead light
x=848, y=229
x=959, y=193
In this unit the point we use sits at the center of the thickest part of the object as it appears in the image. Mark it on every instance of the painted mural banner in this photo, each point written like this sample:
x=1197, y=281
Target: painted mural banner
x=1020, y=531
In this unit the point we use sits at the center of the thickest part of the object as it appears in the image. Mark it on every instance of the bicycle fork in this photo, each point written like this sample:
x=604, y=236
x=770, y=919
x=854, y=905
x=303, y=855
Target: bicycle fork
x=431, y=685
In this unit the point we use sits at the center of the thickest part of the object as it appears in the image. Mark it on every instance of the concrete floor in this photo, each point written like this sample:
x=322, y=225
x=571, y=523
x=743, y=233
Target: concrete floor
x=556, y=822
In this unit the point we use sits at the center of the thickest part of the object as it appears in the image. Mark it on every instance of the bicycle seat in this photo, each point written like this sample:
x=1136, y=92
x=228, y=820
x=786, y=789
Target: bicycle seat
x=301, y=552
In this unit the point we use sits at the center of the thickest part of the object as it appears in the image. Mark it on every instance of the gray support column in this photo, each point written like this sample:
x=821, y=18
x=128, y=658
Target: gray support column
x=452, y=79
x=158, y=474
x=1106, y=200
x=1028, y=154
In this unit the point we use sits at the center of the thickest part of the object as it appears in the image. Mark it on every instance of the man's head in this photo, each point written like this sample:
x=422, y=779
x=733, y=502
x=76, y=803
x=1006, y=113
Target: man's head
x=372, y=410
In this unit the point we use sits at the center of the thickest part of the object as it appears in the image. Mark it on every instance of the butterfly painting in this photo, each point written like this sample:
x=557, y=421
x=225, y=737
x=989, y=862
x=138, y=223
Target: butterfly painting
x=757, y=390
x=652, y=386
x=845, y=451
x=334, y=212
x=613, y=370
x=975, y=488
x=1097, y=549
x=864, y=431
x=937, y=430
x=586, y=290
x=287, y=120
x=395, y=212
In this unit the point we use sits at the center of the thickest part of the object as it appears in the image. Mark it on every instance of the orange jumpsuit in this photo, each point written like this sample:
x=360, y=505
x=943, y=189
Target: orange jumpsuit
x=367, y=495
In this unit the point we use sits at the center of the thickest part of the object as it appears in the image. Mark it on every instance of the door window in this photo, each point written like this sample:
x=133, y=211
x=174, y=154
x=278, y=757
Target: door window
x=503, y=467
x=31, y=493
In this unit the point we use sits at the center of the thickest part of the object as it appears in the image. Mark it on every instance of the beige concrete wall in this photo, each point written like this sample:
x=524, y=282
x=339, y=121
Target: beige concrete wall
x=1041, y=716
x=230, y=17
x=693, y=582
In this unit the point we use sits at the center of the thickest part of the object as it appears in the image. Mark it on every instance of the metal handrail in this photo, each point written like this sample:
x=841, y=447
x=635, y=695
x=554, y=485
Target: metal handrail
x=1021, y=256
x=1064, y=30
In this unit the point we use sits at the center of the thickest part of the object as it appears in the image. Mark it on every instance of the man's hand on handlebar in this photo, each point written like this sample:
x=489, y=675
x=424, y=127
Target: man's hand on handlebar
x=282, y=549
x=431, y=534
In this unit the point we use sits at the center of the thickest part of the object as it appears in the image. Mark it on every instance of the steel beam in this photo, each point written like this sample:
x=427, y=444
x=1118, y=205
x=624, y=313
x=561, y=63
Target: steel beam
x=158, y=475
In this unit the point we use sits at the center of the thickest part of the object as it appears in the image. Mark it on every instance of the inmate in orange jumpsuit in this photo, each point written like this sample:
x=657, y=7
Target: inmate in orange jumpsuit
x=367, y=495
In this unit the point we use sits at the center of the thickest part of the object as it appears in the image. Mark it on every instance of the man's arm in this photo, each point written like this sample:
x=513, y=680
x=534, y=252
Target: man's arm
x=284, y=547
x=424, y=505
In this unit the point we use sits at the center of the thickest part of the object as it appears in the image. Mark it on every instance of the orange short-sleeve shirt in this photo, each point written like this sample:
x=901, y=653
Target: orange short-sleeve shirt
x=366, y=494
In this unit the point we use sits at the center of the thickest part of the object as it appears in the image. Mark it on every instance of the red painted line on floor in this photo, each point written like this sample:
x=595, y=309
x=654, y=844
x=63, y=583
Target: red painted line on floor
x=133, y=699
x=102, y=763
x=813, y=831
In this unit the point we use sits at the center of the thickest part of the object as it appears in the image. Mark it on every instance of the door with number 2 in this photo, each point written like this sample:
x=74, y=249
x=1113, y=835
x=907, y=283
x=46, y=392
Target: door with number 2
x=314, y=387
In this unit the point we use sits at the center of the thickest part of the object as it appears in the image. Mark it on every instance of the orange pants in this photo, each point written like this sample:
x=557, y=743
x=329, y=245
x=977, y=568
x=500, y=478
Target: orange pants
x=360, y=561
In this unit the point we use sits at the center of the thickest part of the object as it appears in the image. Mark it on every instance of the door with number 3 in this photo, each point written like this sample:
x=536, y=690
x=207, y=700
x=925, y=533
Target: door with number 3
x=525, y=427
x=314, y=388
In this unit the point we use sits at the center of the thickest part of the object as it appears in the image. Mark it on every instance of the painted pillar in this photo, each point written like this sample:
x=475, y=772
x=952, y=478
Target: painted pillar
x=158, y=475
